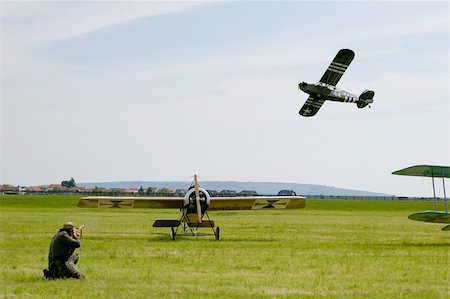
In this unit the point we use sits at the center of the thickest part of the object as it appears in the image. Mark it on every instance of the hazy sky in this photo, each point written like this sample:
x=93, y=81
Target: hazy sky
x=115, y=91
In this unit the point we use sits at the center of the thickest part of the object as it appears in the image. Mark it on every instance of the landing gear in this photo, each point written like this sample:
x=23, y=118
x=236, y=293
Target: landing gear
x=217, y=233
x=172, y=234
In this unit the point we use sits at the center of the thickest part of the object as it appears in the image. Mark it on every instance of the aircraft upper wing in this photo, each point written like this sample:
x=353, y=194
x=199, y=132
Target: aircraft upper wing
x=131, y=202
x=256, y=203
x=311, y=106
x=337, y=67
x=425, y=171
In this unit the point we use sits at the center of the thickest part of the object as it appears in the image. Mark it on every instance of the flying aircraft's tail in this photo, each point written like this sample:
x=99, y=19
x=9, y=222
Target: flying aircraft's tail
x=365, y=98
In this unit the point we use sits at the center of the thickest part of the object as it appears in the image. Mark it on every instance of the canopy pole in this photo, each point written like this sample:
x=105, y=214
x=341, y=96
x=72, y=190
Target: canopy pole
x=434, y=190
x=445, y=195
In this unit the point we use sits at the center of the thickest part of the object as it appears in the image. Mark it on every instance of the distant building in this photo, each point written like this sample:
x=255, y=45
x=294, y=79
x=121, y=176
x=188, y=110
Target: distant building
x=10, y=189
x=248, y=193
x=287, y=193
x=180, y=192
x=213, y=192
x=227, y=193
x=130, y=191
x=165, y=191
x=54, y=188
x=34, y=189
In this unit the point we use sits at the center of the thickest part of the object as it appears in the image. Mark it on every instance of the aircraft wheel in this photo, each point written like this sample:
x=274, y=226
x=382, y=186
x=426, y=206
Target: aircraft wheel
x=217, y=233
x=172, y=234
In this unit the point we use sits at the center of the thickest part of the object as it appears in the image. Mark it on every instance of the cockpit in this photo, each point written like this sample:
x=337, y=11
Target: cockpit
x=330, y=87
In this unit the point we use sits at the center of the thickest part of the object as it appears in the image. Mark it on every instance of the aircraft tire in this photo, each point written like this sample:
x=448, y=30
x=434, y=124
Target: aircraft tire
x=217, y=233
x=172, y=234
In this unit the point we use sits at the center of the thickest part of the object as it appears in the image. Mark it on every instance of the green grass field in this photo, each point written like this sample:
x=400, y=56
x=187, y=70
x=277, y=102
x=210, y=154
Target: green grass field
x=330, y=249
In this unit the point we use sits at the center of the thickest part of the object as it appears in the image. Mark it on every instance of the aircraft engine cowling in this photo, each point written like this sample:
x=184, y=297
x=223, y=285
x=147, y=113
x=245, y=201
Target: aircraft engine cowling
x=190, y=203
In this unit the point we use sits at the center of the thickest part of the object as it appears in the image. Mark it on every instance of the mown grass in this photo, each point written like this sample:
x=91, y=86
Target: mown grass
x=331, y=249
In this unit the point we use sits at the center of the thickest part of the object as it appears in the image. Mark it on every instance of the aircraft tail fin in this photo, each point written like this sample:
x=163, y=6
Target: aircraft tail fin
x=365, y=98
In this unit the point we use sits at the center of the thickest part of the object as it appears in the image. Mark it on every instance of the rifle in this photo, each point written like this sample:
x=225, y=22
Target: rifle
x=79, y=230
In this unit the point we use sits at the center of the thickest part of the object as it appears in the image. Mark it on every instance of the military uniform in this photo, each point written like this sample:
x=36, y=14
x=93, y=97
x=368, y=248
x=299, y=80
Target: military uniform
x=61, y=257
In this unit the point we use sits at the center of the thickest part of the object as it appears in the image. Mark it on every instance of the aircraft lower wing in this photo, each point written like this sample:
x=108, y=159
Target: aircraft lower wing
x=431, y=216
x=311, y=106
x=131, y=202
x=337, y=67
x=192, y=209
x=217, y=203
x=256, y=203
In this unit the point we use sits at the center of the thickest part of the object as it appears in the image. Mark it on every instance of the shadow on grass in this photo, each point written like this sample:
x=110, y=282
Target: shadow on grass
x=411, y=244
x=180, y=238
x=423, y=244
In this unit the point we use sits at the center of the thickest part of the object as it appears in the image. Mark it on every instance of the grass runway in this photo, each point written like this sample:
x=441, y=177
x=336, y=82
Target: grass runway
x=330, y=249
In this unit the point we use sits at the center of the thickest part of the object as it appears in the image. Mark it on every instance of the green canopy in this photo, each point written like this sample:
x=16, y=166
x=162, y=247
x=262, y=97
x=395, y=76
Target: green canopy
x=426, y=171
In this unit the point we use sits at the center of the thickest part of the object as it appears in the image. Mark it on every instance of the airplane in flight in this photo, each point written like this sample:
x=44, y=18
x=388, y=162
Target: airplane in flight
x=194, y=207
x=432, y=171
x=325, y=89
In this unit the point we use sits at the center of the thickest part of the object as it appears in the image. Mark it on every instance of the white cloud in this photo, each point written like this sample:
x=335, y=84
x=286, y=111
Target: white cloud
x=28, y=25
x=43, y=22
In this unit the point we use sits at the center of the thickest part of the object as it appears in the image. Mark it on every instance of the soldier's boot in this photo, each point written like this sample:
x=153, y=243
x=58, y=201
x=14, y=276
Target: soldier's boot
x=48, y=274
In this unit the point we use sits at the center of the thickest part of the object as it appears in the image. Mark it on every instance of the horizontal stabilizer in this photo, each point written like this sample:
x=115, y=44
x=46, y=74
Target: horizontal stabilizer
x=446, y=228
x=166, y=223
x=431, y=216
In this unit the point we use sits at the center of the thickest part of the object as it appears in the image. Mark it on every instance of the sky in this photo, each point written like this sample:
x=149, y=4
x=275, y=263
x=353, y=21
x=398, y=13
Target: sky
x=122, y=91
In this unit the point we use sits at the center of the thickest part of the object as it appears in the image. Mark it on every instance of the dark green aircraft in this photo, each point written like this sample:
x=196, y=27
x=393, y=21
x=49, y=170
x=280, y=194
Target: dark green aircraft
x=325, y=89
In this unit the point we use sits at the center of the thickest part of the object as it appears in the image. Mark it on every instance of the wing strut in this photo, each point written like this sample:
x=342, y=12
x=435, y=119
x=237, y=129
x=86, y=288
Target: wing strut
x=434, y=189
x=445, y=195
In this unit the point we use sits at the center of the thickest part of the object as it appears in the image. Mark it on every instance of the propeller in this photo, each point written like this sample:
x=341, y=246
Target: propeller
x=197, y=200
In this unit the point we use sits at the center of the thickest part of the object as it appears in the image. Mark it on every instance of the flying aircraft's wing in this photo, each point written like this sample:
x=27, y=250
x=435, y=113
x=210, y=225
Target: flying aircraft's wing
x=337, y=67
x=311, y=106
x=256, y=203
x=425, y=171
x=431, y=216
x=131, y=202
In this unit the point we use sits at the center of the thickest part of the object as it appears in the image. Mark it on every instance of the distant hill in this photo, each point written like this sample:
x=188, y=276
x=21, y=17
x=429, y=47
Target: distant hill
x=263, y=188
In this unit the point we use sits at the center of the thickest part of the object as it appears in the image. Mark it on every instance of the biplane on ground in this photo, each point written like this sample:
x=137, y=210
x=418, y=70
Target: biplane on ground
x=194, y=207
x=432, y=171
x=326, y=89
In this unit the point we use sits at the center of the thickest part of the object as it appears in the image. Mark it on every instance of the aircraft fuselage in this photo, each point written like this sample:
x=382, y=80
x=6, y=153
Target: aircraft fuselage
x=328, y=92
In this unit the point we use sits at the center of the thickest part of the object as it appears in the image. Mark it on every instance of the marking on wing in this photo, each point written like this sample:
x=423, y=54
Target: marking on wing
x=270, y=204
x=310, y=102
x=340, y=69
x=311, y=106
x=111, y=203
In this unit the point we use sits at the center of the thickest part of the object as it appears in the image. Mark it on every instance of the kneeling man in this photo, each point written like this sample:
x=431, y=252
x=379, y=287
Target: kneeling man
x=62, y=259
